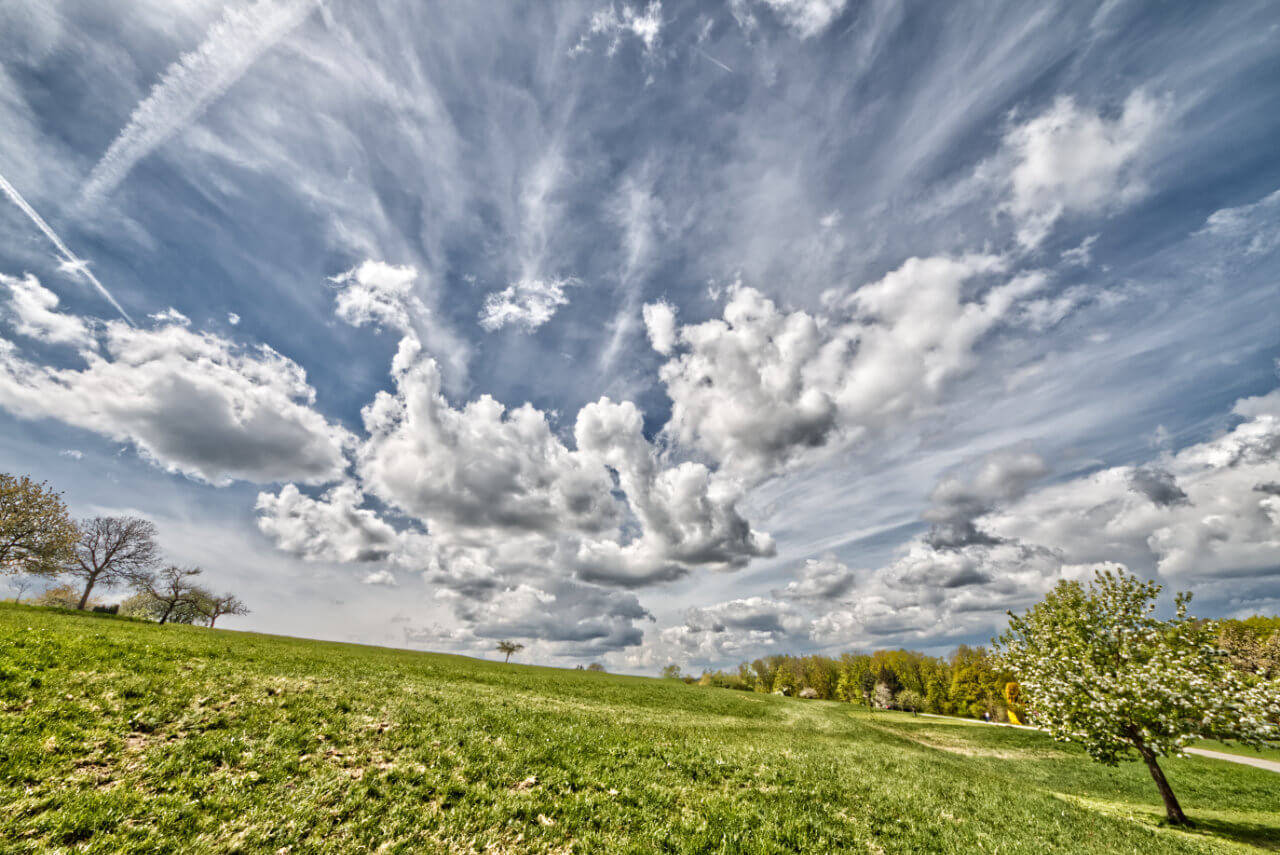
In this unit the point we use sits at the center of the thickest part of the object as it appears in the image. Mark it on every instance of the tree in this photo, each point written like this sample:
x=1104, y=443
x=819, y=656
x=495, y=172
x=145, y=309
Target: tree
x=213, y=607
x=910, y=699
x=596, y=666
x=1096, y=667
x=112, y=550
x=37, y=535
x=884, y=696
x=174, y=592
x=671, y=672
x=60, y=596
x=509, y=647
x=21, y=584
x=867, y=687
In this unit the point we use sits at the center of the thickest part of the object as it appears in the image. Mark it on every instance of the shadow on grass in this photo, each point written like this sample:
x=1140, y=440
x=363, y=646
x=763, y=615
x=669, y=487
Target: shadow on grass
x=1257, y=830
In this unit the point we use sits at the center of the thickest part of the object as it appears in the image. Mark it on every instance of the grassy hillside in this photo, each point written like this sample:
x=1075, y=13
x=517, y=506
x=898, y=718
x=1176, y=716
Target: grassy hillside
x=125, y=737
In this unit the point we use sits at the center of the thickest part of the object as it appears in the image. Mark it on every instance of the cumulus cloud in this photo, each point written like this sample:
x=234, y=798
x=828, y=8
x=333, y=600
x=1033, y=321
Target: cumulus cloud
x=660, y=322
x=760, y=387
x=331, y=528
x=806, y=17
x=529, y=303
x=170, y=316
x=733, y=629
x=614, y=24
x=1158, y=485
x=1072, y=160
x=380, y=577
x=957, y=504
x=190, y=402
x=233, y=318
x=33, y=311
x=819, y=579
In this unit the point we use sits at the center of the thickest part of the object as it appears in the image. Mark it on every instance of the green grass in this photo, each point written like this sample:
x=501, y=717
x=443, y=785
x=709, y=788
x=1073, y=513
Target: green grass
x=128, y=737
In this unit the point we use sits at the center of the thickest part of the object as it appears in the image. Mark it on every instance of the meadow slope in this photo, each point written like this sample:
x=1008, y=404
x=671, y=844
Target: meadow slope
x=118, y=736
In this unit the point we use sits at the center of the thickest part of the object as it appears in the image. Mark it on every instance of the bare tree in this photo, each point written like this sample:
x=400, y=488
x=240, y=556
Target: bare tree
x=171, y=589
x=213, y=607
x=112, y=550
x=20, y=585
x=509, y=647
x=36, y=534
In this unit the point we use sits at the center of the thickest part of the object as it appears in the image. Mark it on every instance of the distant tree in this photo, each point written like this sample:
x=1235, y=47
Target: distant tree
x=1252, y=645
x=596, y=666
x=1095, y=667
x=112, y=550
x=867, y=687
x=20, y=584
x=174, y=591
x=509, y=647
x=59, y=596
x=671, y=672
x=37, y=535
x=884, y=696
x=212, y=607
x=910, y=699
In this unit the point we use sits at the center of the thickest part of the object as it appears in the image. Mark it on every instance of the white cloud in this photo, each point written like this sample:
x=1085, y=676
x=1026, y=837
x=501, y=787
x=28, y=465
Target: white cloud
x=819, y=579
x=171, y=316
x=191, y=84
x=193, y=403
x=761, y=387
x=331, y=528
x=660, y=321
x=528, y=303
x=33, y=310
x=73, y=453
x=1255, y=227
x=233, y=318
x=1071, y=160
x=614, y=25
x=380, y=577
x=806, y=17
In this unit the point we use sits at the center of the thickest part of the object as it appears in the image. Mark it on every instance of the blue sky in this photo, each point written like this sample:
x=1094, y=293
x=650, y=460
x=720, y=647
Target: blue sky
x=651, y=332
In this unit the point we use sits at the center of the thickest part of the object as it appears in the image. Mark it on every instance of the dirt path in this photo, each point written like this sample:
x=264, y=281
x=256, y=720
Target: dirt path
x=1256, y=762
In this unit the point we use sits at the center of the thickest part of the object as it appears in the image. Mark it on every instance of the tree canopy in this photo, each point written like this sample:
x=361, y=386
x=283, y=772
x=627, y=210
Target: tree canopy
x=37, y=535
x=1096, y=667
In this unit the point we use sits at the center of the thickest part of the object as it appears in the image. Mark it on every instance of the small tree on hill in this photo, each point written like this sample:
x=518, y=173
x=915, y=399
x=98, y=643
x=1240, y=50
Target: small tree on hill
x=174, y=592
x=1095, y=667
x=671, y=672
x=212, y=607
x=910, y=699
x=20, y=584
x=111, y=550
x=508, y=647
x=37, y=535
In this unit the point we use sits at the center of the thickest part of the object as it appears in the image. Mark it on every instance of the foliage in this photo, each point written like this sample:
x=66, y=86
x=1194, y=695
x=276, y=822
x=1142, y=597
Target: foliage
x=36, y=533
x=910, y=700
x=213, y=606
x=173, y=593
x=120, y=736
x=597, y=667
x=671, y=672
x=508, y=647
x=60, y=596
x=110, y=551
x=1252, y=645
x=1099, y=669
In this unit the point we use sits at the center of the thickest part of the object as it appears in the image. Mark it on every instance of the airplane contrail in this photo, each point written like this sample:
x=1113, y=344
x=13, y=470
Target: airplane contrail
x=189, y=85
x=713, y=59
x=70, y=260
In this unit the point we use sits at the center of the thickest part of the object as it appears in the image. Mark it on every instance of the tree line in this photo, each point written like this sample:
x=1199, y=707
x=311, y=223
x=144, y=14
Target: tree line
x=972, y=681
x=40, y=541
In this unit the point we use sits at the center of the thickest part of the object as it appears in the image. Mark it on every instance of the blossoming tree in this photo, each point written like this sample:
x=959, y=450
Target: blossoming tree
x=1096, y=667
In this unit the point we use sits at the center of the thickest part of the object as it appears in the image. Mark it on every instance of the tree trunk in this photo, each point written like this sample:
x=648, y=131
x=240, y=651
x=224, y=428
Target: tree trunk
x=164, y=617
x=211, y=620
x=84, y=598
x=1171, y=807
x=507, y=661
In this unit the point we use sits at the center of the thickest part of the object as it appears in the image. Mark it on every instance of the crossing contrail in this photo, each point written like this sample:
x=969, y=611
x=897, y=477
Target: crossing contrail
x=189, y=85
x=69, y=259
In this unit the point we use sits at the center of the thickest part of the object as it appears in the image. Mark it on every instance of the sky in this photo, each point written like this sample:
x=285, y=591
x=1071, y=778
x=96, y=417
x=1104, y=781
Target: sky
x=651, y=332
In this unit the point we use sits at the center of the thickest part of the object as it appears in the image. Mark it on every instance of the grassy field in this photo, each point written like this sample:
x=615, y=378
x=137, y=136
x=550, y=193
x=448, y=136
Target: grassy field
x=126, y=737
